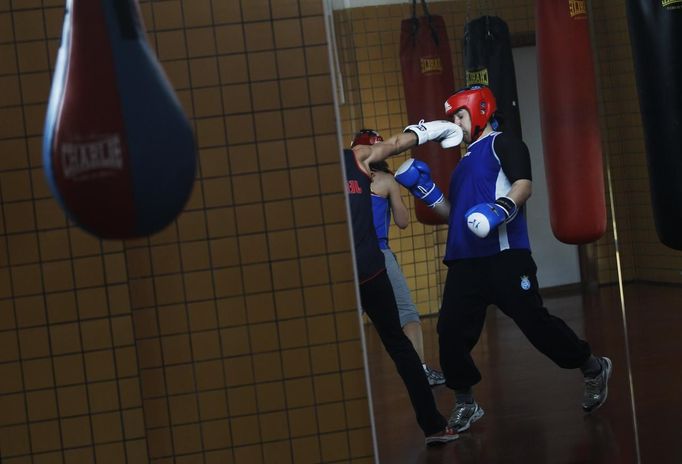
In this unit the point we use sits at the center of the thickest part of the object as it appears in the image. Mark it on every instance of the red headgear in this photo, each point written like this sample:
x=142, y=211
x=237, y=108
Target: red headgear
x=479, y=101
x=366, y=137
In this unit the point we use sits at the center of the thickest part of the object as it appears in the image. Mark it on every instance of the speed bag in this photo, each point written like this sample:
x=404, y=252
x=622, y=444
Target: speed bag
x=488, y=60
x=428, y=81
x=656, y=38
x=118, y=151
x=570, y=122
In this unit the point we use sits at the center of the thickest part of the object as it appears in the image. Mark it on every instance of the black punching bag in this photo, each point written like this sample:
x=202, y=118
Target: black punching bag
x=656, y=38
x=488, y=60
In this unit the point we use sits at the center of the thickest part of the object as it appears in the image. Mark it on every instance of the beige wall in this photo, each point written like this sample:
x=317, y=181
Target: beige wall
x=231, y=336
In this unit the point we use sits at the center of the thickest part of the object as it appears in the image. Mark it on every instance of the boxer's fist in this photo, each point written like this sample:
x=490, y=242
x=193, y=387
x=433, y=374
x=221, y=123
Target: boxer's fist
x=454, y=137
x=447, y=133
x=415, y=175
x=484, y=217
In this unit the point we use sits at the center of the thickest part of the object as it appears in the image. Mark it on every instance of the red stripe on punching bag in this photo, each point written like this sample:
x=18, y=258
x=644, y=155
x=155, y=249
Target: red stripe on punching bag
x=90, y=159
x=428, y=81
x=570, y=122
x=118, y=150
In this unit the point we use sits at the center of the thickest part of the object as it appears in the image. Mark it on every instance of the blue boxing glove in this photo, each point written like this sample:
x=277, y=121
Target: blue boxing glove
x=415, y=175
x=484, y=217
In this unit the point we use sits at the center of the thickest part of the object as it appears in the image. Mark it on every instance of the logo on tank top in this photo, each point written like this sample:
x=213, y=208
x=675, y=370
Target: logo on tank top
x=577, y=7
x=671, y=4
x=525, y=283
x=91, y=158
x=354, y=187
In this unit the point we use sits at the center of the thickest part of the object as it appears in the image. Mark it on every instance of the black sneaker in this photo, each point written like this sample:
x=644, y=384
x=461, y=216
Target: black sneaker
x=446, y=435
x=435, y=377
x=597, y=388
x=464, y=414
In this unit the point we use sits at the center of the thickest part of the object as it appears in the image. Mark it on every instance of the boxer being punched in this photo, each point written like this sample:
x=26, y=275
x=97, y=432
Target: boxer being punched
x=387, y=203
x=376, y=293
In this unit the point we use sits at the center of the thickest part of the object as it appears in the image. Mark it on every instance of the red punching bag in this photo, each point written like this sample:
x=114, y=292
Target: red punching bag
x=428, y=81
x=570, y=122
x=118, y=151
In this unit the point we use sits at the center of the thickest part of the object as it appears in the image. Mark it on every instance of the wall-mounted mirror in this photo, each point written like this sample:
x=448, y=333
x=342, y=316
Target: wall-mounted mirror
x=652, y=272
x=618, y=293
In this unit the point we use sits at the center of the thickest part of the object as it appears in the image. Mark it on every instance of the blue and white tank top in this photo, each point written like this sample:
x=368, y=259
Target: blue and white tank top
x=478, y=178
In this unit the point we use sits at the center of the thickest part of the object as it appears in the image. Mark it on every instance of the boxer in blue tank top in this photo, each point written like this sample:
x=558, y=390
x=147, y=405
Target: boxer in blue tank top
x=489, y=259
x=386, y=200
x=376, y=293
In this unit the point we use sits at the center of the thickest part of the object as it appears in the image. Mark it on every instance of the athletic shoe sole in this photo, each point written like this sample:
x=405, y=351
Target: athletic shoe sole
x=440, y=439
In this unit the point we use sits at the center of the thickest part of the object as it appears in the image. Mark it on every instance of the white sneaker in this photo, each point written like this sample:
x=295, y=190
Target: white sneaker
x=465, y=414
x=435, y=377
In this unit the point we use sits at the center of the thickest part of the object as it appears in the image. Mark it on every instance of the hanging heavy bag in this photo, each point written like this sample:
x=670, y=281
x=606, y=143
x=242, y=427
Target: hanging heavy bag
x=656, y=38
x=118, y=151
x=428, y=81
x=488, y=60
x=570, y=122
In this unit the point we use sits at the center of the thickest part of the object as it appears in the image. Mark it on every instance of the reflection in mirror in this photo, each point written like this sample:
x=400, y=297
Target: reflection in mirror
x=533, y=410
x=652, y=272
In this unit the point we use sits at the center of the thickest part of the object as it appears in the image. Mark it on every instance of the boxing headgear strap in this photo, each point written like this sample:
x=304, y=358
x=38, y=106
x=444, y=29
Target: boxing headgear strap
x=366, y=137
x=479, y=101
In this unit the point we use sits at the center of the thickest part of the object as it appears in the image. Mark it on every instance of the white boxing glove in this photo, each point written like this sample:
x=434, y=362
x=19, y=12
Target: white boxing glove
x=454, y=139
x=447, y=133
